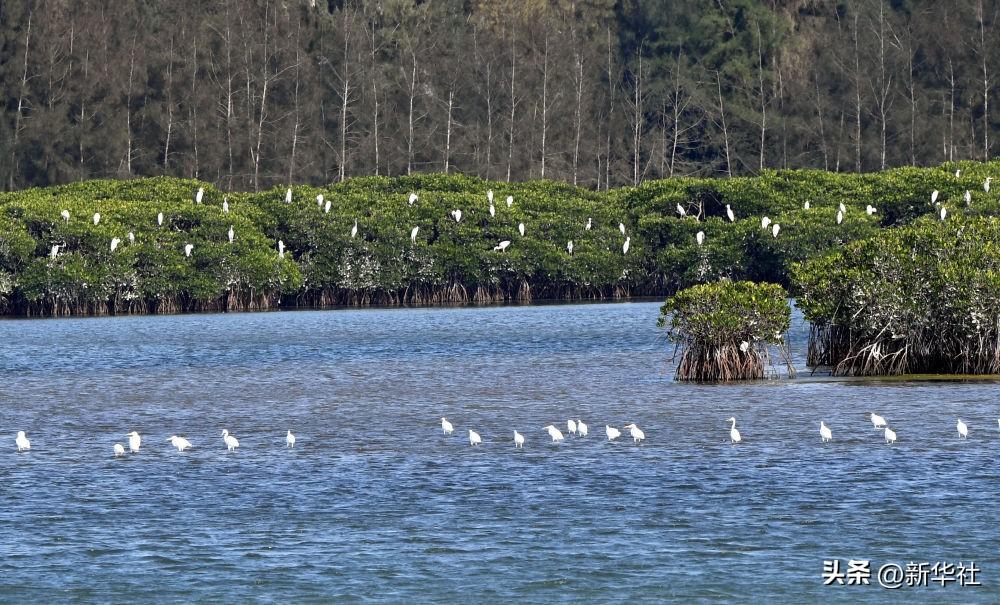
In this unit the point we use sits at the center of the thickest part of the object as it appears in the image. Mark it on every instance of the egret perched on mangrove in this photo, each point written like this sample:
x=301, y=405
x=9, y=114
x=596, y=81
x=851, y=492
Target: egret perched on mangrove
x=877, y=421
x=55, y=251
x=958, y=173
x=635, y=432
x=520, y=229
x=289, y=439
x=764, y=222
x=571, y=427
x=119, y=450
x=775, y=228
x=413, y=234
x=326, y=207
x=730, y=214
x=131, y=237
x=199, y=195
x=805, y=206
x=700, y=237
x=681, y=211
x=934, y=196
x=734, y=435
x=968, y=197
x=354, y=229
x=225, y=206
x=986, y=184
x=446, y=426
x=65, y=215
x=890, y=436
x=114, y=243
x=518, y=439
x=626, y=245
x=97, y=218
x=288, y=196
x=824, y=432
x=489, y=196
x=582, y=428
x=502, y=246
x=493, y=210
x=612, y=432
x=744, y=346
x=457, y=215
x=231, y=234
x=569, y=246
x=21, y=441
x=230, y=441
x=134, y=441
x=281, y=249
x=474, y=438
x=963, y=429
x=590, y=223
x=842, y=207
x=870, y=210
x=621, y=227
x=180, y=443
x=510, y=201
x=159, y=219
x=840, y=216
x=187, y=249
x=319, y=201
x=944, y=212
x=555, y=433
x=413, y=198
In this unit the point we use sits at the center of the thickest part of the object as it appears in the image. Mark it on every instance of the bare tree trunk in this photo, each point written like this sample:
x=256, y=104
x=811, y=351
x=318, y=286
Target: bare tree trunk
x=447, y=138
x=193, y=104
x=545, y=96
x=763, y=97
x=83, y=110
x=413, y=94
x=578, y=107
x=986, y=82
x=344, y=104
x=170, y=107
x=637, y=121
x=513, y=104
x=611, y=109
x=296, y=124
x=822, y=130
x=128, y=109
x=857, y=96
x=725, y=131
x=951, y=113
x=230, y=94
x=375, y=81
x=22, y=94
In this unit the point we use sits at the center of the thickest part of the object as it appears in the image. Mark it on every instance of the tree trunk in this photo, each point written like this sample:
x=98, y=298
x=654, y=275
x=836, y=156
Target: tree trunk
x=22, y=93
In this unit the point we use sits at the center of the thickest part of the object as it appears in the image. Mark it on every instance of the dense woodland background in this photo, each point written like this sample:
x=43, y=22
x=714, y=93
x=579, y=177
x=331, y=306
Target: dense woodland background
x=249, y=94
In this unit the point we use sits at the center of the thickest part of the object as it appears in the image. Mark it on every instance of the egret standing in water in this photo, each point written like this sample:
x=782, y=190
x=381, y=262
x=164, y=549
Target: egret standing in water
x=180, y=443
x=734, y=435
x=824, y=432
x=289, y=439
x=474, y=438
x=890, y=436
x=571, y=427
x=134, y=441
x=518, y=439
x=119, y=450
x=635, y=432
x=21, y=441
x=555, y=433
x=446, y=426
x=963, y=429
x=877, y=421
x=582, y=428
x=612, y=432
x=230, y=441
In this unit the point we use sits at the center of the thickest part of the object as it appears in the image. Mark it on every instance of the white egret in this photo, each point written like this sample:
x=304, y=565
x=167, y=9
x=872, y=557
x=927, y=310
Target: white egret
x=569, y=246
x=119, y=450
x=944, y=213
x=21, y=441
x=114, y=243
x=963, y=429
x=134, y=441
x=635, y=432
x=626, y=245
x=65, y=215
x=319, y=201
x=510, y=201
x=621, y=227
x=842, y=207
x=354, y=229
x=231, y=234
x=225, y=206
x=555, y=433
x=744, y=346
x=289, y=439
x=775, y=228
x=571, y=427
x=493, y=210
x=159, y=219
x=590, y=223
x=288, y=196
x=612, y=432
x=877, y=421
x=934, y=196
x=326, y=207
x=582, y=428
x=54, y=252
x=681, y=211
x=474, y=438
x=764, y=222
x=187, y=249
x=97, y=218
x=968, y=196
x=518, y=440
x=413, y=234
x=131, y=237
x=870, y=210
x=700, y=237
x=231, y=442
x=199, y=195
x=890, y=436
x=446, y=426
x=520, y=229
x=806, y=205
x=457, y=215
x=413, y=198
x=180, y=443
x=840, y=217
x=489, y=195
x=824, y=432
x=986, y=184
x=730, y=214
x=281, y=249
x=958, y=173
x=734, y=435
x=502, y=246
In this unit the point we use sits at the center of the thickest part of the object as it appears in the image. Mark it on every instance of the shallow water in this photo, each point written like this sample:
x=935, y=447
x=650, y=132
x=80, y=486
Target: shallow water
x=375, y=504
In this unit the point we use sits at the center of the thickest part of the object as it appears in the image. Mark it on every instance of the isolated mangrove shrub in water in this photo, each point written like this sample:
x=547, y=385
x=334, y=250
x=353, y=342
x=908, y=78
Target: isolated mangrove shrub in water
x=920, y=299
x=724, y=330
